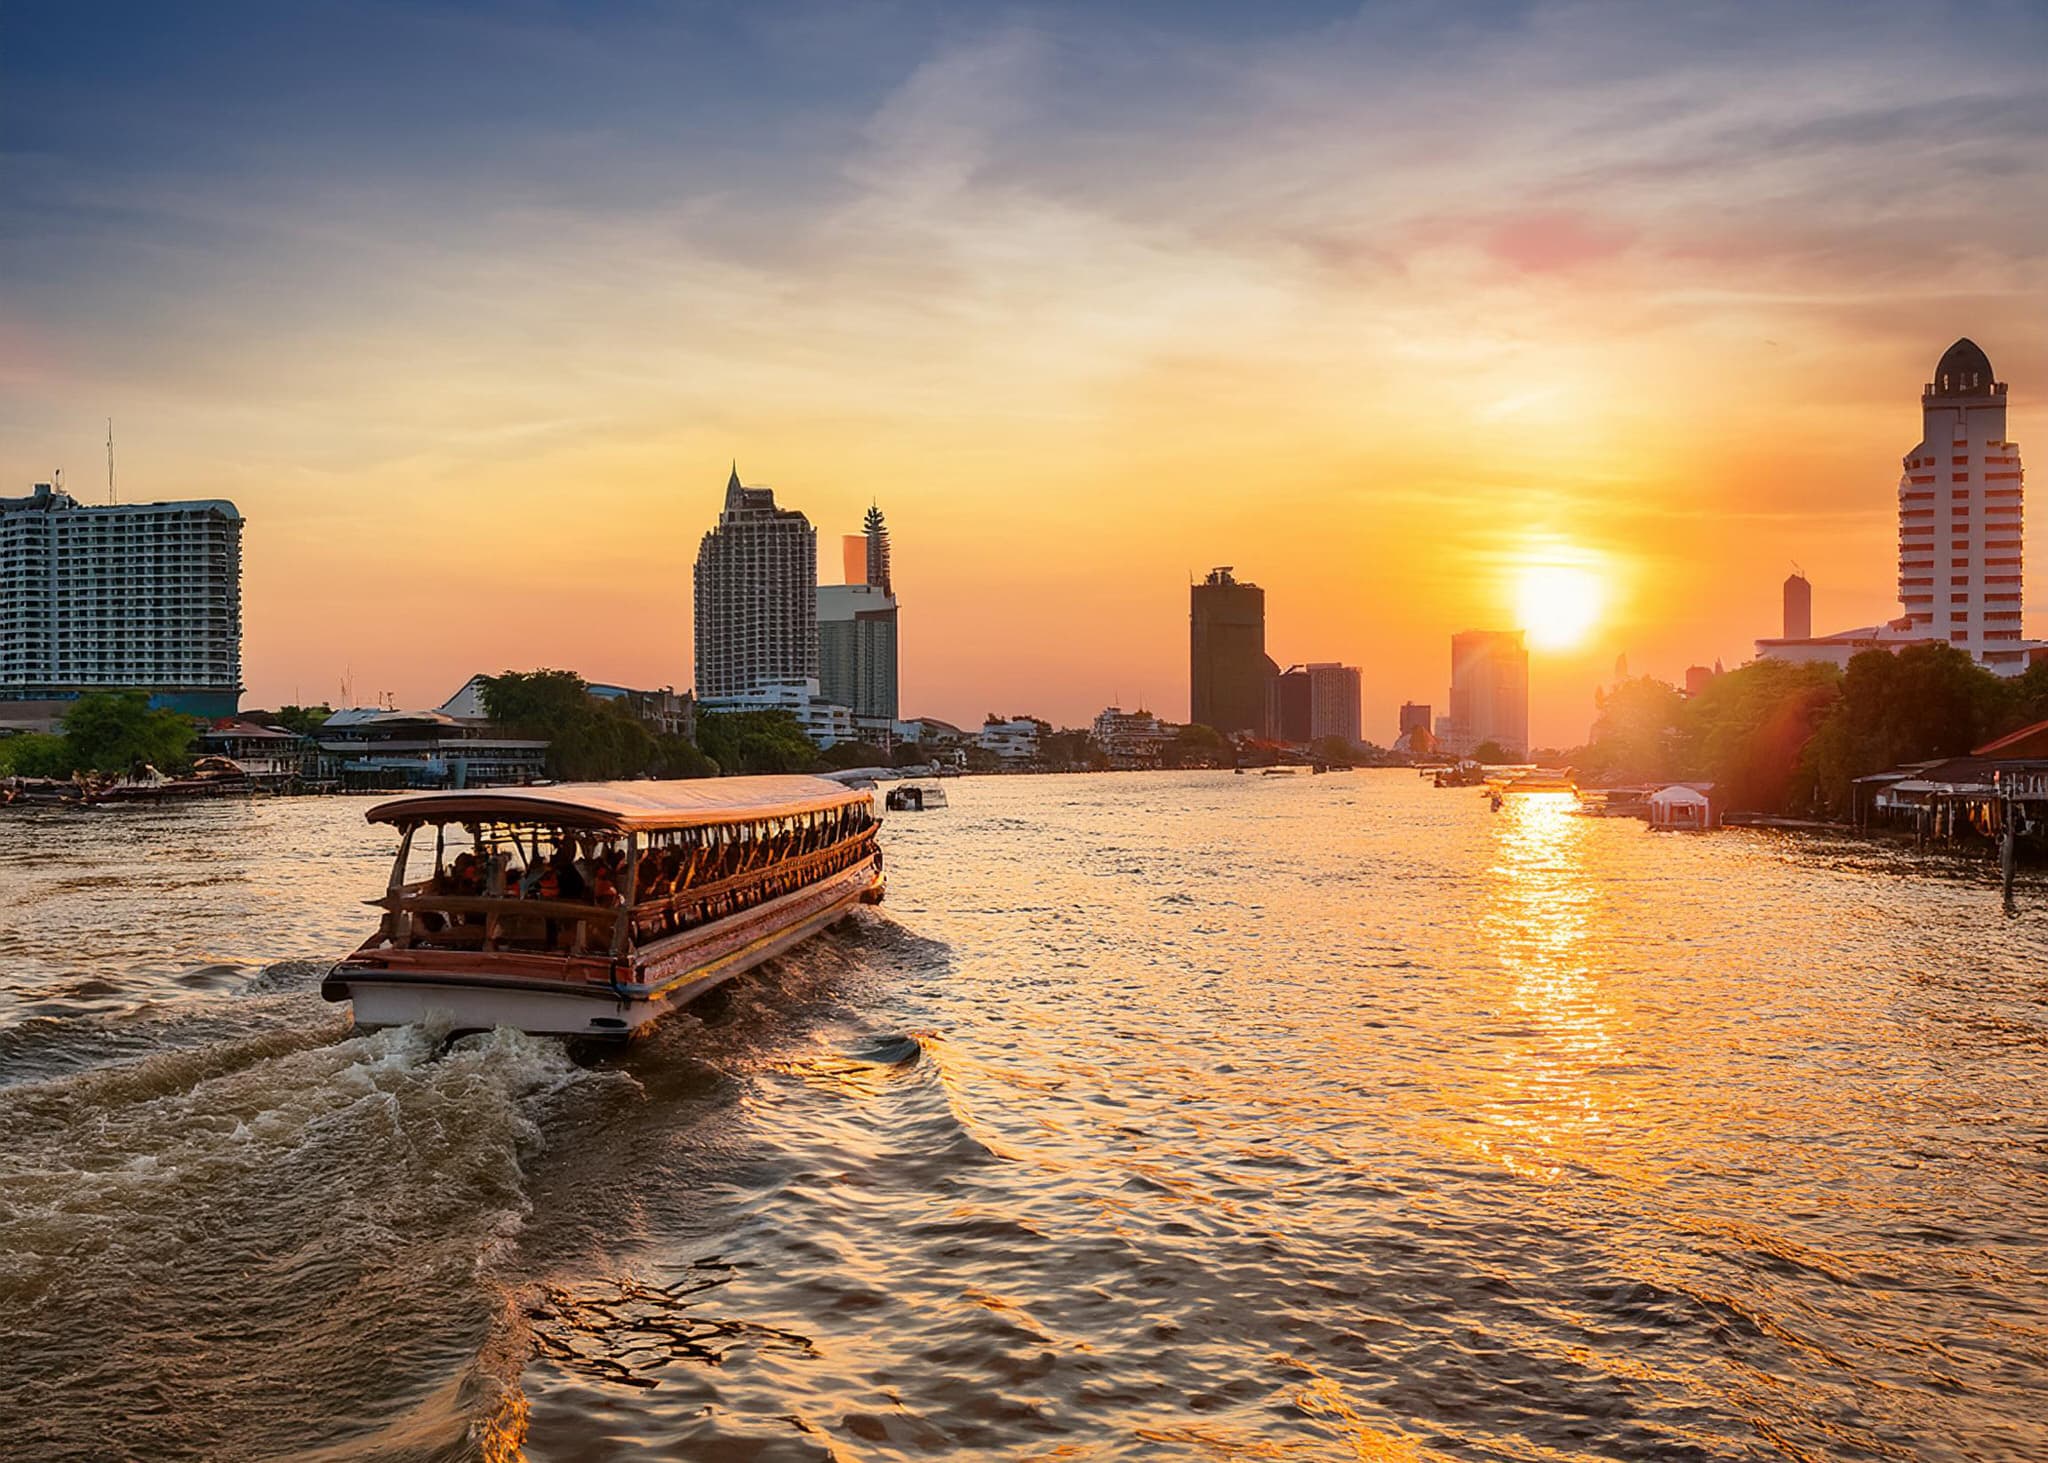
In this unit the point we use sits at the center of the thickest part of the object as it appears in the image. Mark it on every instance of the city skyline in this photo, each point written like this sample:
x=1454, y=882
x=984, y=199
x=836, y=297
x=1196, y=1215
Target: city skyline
x=420, y=320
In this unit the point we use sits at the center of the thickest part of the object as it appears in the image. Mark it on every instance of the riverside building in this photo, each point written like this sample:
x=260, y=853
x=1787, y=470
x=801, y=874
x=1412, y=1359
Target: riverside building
x=1230, y=676
x=1961, y=535
x=133, y=596
x=1489, y=692
x=1798, y=608
x=757, y=614
x=1310, y=702
x=1961, y=561
x=1132, y=738
x=756, y=596
x=1336, y=693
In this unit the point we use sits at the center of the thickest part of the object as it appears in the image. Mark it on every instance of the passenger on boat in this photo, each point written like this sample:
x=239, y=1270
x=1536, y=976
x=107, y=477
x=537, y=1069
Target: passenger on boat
x=448, y=881
x=569, y=880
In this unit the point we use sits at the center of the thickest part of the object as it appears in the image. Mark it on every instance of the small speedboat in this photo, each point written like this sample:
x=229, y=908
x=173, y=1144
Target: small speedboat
x=912, y=799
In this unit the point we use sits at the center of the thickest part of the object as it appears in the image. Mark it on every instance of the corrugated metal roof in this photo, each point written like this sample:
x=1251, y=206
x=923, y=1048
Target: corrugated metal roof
x=629, y=806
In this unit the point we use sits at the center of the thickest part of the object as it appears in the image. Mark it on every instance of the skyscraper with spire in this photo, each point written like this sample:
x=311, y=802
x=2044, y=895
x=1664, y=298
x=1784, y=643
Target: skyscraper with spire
x=876, y=532
x=756, y=588
x=857, y=621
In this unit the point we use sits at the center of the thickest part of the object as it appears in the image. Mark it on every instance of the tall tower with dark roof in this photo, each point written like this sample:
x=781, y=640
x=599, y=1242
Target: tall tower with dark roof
x=1961, y=554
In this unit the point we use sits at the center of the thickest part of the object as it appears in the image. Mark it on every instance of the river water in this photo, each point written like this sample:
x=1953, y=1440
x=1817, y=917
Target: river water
x=1170, y=1116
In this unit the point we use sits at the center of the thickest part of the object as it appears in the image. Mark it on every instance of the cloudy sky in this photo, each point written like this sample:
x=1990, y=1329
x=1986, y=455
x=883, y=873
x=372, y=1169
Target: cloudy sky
x=470, y=308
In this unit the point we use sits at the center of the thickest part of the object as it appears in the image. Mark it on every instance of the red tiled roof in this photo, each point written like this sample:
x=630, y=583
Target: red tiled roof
x=2028, y=741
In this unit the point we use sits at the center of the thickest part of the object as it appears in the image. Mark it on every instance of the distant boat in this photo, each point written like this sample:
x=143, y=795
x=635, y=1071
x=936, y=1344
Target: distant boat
x=40, y=792
x=1615, y=802
x=1533, y=779
x=211, y=777
x=909, y=799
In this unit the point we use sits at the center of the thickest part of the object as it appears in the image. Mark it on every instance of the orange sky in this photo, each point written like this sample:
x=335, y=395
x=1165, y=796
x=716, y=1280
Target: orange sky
x=1373, y=310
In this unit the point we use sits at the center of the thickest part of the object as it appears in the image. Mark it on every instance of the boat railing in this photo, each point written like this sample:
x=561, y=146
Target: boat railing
x=493, y=923
x=478, y=921
x=693, y=904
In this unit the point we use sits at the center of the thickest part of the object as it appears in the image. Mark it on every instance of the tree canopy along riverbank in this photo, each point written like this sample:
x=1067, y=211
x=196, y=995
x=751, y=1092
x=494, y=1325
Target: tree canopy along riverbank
x=104, y=731
x=1780, y=738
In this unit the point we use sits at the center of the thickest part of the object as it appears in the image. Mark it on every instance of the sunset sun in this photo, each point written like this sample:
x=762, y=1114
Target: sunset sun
x=1557, y=604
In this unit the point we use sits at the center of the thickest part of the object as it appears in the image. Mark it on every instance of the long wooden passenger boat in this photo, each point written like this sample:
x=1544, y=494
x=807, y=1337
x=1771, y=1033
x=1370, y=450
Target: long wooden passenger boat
x=590, y=909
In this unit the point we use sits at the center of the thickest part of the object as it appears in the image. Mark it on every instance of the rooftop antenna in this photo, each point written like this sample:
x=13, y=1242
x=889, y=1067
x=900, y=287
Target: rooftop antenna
x=111, y=499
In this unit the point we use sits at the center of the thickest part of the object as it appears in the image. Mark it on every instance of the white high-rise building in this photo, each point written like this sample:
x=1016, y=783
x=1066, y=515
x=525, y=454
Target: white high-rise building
x=135, y=596
x=1961, y=561
x=757, y=597
x=757, y=615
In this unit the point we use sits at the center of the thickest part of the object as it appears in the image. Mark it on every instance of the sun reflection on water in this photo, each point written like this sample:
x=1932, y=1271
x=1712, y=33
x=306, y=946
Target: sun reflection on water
x=1550, y=1107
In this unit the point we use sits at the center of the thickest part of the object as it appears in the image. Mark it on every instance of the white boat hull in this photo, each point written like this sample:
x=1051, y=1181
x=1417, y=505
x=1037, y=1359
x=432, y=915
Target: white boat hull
x=674, y=974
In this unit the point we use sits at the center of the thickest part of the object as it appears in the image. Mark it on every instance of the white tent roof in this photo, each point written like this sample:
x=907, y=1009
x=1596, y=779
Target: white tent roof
x=1679, y=794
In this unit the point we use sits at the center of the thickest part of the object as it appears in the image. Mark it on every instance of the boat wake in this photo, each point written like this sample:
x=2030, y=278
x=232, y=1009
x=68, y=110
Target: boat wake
x=264, y=1234
x=217, y=1007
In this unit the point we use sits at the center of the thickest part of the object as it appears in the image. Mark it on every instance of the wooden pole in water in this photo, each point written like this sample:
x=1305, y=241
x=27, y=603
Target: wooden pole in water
x=2008, y=852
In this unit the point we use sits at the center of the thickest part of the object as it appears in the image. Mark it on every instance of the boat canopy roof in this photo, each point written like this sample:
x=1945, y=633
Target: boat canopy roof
x=628, y=807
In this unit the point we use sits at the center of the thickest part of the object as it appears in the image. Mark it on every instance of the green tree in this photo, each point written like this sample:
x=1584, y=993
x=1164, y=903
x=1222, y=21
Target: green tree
x=304, y=720
x=1072, y=750
x=536, y=703
x=1637, y=728
x=35, y=754
x=1493, y=754
x=1927, y=701
x=2029, y=696
x=842, y=755
x=681, y=757
x=1335, y=751
x=755, y=742
x=1195, y=745
x=908, y=754
x=588, y=737
x=115, y=731
x=1747, y=731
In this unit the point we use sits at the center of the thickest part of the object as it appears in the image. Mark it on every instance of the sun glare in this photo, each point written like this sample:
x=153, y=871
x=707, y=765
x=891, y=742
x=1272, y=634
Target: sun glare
x=1558, y=604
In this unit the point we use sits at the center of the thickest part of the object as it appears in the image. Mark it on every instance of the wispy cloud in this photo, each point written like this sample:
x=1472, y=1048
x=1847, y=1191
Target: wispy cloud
x=1633, y=271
